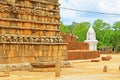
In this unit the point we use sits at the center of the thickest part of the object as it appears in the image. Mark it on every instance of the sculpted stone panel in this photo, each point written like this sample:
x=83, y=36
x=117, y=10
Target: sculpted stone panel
x=56, y=40
x=42, y=40
x=29, y=29
x=25, y=39
x=2, y=38
x=60, y=41
x=36, y=39
x=8, y=38
x=14, y=39
x=20, y=39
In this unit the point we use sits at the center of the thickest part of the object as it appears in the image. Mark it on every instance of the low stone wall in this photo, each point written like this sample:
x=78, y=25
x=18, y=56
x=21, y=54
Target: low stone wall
x=82, y=54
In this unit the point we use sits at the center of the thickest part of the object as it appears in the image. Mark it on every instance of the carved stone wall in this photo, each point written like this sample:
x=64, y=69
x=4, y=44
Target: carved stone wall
x=29, y=31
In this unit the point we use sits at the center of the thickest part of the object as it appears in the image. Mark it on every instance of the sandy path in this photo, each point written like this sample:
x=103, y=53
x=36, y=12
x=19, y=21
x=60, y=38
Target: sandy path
x=79, y=71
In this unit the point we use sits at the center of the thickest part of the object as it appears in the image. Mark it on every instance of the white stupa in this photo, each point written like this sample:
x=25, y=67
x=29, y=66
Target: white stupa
x=91, y=39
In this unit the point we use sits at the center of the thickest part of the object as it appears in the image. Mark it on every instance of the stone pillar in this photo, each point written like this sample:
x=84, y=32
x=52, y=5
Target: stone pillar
x=105, y=69
x=57, y=68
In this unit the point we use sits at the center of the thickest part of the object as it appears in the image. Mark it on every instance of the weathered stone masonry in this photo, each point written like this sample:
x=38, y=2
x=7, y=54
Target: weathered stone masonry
x=29, y=31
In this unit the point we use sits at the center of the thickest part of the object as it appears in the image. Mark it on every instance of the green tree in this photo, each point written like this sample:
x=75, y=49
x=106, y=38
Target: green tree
x=81, y=30
x=103, y=32
x=106, y=34
x=116, y=35
x=101, y=25
x=116, y=25
x=64, y=28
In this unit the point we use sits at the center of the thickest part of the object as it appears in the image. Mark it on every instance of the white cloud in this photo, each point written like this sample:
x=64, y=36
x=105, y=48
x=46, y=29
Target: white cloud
x=107, y=6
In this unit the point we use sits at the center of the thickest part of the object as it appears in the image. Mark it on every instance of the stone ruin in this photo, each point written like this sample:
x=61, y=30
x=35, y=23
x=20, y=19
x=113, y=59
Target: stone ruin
x=29, y=32
x=78, y=50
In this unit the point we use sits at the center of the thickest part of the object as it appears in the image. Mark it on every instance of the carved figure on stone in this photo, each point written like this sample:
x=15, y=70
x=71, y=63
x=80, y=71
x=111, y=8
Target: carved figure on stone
x=8, y=38
x=47, y=40
x=14, y=39
x=51, y=40
x=15, y=9
x=31, y=39
x=22, y=10
x=36, y=39
x=3, y=38
x=20, y=39
x=56, y=40
x=25, y=39
x=42, y=40
x=60, y=41
x=28, y=11
x=34, y=11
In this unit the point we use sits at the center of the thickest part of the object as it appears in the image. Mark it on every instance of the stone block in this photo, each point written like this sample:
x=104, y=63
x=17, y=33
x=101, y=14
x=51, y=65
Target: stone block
x=105, y=58
x=95, y=60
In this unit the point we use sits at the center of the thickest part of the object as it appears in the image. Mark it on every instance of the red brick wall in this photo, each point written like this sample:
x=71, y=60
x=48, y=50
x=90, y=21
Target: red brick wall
x=77, y=46
x=78, y=50
x=82, y=54
x=104, y=52
x=68, y=37
x=72, y=42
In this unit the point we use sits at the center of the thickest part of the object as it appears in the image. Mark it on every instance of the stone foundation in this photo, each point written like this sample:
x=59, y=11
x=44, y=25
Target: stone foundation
x=82, y=54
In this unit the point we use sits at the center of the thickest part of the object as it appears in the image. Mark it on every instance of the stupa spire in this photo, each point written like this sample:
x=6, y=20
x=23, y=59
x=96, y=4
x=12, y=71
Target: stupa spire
x=91, y=39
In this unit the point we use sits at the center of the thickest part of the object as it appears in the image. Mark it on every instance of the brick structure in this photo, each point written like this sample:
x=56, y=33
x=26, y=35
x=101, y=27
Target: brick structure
x=29, y=31
x=77, y=46
x=82, y=54
x=68, y=37
x=78, y=50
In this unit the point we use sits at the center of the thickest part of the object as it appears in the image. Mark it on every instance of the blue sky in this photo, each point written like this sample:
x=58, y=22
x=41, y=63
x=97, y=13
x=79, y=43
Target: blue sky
x=107, y=6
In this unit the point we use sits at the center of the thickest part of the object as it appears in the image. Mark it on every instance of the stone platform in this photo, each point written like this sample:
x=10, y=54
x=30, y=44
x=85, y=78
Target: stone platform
x=82, y=54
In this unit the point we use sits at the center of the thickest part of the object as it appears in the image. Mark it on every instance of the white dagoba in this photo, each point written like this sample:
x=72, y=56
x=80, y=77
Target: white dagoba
x=91, y=39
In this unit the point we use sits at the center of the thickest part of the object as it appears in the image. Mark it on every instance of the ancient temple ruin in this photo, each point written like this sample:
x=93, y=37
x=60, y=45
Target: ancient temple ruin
x=29, y=31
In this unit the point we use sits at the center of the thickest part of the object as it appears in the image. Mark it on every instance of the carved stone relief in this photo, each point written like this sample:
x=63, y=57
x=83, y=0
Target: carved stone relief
x=42, y=40
x=8, y=38
x=25, y=39
x=3, y=38
x=20, y=39
x=14, y=39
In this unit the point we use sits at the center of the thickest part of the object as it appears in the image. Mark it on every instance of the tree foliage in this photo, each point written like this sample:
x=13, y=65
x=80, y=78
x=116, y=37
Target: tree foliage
x=106, y=34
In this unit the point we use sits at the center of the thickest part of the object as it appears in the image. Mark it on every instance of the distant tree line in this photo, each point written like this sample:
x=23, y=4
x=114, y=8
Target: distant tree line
x=106, y=34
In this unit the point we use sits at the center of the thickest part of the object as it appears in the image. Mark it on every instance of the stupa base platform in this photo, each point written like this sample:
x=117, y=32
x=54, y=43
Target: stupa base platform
x=82, y=54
